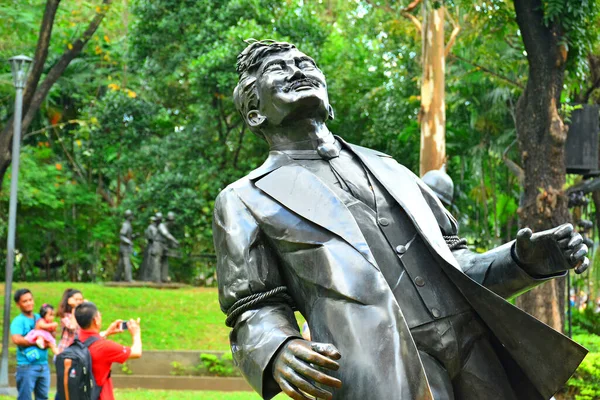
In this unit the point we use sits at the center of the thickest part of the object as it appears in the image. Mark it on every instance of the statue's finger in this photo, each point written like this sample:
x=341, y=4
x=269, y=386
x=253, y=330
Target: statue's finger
x=563, y=231
x=579, y=252
x=291, y=391
x=583, y=265
x=327, y=349
x=312, y=357
x=315, y=375
x=564, y=243
x=576, y=240
x=307, y=387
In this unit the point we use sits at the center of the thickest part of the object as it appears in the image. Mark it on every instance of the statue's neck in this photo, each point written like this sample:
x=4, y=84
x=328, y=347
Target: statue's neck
x=301, y=135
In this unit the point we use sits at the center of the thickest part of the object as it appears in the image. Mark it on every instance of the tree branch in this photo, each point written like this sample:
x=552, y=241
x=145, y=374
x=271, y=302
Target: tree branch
x=61, y=126
x=489, y=71
x=453, y=35
x=74, y=164
x=538, y=38
x=59, y=68
x=511, y=165
x=414, y=20
x=405, y=12
x=412, y=6
x=41, y=52
x=100, y=190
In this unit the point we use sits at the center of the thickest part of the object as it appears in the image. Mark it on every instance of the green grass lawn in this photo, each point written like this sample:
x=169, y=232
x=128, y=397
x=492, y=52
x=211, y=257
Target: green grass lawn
x=182, y=319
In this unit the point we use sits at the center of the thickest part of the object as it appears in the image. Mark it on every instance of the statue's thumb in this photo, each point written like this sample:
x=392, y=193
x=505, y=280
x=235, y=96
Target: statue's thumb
x=524, y=235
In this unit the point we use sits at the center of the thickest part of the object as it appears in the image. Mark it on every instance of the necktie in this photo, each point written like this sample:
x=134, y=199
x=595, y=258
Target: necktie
x=349, y=172
x=328, y=150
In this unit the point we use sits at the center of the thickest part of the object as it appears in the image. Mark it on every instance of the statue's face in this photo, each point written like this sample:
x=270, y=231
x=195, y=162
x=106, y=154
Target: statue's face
x=290, y=85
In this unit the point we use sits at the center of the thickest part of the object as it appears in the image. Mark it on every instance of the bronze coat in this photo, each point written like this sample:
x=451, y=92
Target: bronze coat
x=282, y=226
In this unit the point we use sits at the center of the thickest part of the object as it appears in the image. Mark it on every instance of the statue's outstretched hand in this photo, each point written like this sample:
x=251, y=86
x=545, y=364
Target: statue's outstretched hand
x=552, y=251
x=294, y=369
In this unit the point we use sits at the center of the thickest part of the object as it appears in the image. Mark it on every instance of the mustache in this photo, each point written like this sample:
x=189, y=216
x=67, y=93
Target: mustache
x=301, y=82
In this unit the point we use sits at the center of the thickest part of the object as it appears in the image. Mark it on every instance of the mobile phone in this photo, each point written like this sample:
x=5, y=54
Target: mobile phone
x=124, y=325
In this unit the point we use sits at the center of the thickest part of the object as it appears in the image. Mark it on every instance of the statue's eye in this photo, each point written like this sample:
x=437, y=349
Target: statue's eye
x=274, y=67
x=305, y=64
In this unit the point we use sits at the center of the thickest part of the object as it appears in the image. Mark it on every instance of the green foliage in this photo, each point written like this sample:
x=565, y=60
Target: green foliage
x=219, y=366
x=585, y=383
x=153, y=126
x=125, y=369
x=566, y=110
x=588, y=320
x=60, y=217
x=573, y=21
x=177, y=369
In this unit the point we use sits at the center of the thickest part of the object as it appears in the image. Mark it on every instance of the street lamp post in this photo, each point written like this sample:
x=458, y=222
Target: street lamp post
x=19, y=66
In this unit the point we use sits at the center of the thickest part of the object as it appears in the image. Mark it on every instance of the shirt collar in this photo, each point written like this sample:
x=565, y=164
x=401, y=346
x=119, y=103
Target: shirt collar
x=307, y=154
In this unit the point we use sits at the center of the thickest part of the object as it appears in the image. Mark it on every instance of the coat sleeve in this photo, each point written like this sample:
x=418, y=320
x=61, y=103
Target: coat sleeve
x=246, y=265
x=496, y=269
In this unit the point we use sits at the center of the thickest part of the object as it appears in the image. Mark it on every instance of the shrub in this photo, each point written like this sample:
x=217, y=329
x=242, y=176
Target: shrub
x=585, y=382
x=219, y=366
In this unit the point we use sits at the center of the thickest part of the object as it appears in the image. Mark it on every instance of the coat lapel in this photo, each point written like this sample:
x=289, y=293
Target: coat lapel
x=402, y=186
x=304, y=193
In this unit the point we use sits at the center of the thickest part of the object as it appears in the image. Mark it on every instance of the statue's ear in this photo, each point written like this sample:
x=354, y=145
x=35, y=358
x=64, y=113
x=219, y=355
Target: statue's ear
x=330, y=112
x=255, y=118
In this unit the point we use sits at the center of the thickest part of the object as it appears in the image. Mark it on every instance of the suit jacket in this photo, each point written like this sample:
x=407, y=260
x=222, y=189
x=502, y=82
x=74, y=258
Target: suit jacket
x=282, y=226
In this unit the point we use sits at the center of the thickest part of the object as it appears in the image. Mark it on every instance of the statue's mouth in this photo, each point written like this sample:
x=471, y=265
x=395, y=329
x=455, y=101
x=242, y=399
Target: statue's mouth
x=302, y=84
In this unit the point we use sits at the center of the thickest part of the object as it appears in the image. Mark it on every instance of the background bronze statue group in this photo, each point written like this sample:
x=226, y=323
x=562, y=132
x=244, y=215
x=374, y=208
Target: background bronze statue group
x=155, y=262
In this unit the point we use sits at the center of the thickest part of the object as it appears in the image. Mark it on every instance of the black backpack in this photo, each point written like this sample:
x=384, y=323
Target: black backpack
x=80, y=384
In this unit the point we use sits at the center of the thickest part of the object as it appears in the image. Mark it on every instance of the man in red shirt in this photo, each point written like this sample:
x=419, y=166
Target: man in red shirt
x=106, y=352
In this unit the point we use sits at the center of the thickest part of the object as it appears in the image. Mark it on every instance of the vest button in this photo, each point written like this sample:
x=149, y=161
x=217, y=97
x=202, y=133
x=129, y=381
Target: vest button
x=401, y=249
x=435, y=312
x=419, y=281
x=384, y=221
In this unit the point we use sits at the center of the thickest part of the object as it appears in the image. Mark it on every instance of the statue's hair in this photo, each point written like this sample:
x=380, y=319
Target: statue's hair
x=249, y=61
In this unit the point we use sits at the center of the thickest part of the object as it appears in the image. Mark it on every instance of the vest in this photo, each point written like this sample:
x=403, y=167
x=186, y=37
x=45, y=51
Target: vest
x=421, y=288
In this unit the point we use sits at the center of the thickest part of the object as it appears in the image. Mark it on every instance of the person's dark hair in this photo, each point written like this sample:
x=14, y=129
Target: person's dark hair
x=249, y=61
x=44, y=309
x=85, y=313
x=19, y=293
x=64, y=307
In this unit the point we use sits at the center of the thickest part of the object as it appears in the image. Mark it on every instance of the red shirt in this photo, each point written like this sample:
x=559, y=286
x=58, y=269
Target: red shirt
x=104, y=353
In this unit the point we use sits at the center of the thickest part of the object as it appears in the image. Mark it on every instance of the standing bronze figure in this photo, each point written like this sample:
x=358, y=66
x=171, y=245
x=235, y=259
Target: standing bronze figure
x=398, y=307
x=125, y=249
x=160, y=247
x=149, y=234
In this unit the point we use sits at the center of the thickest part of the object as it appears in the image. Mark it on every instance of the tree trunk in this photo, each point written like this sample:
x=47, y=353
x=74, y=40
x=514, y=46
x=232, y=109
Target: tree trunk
x=541, y=135
x=433, y=106
x=34, y=95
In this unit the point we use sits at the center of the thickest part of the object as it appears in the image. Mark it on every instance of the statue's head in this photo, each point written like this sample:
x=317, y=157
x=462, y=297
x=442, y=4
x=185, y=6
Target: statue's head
x=158, y=216
x=128, y=214
x=277, y=84
x=170, y=216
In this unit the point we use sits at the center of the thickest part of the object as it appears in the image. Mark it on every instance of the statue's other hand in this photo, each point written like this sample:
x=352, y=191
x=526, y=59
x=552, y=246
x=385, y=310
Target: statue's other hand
x=294, y=369
x=552, y=251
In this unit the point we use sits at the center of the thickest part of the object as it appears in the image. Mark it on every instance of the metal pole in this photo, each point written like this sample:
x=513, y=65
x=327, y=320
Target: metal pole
x=10, y=253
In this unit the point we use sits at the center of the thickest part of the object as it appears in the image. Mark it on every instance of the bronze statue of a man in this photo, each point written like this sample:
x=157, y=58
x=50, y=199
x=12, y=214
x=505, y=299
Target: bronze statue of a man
x=160, y=247
x=149, y=234
x=398, y=307
x=125, y=249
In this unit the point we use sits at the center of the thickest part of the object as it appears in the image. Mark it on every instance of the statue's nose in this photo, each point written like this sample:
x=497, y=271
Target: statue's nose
x=298, y=74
